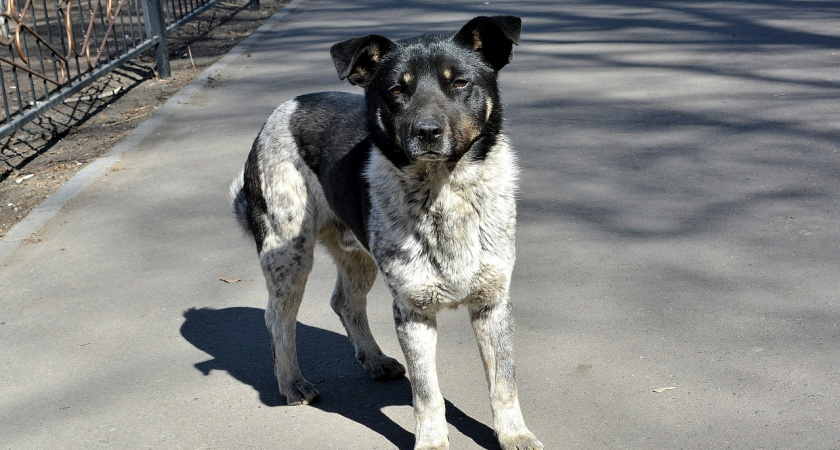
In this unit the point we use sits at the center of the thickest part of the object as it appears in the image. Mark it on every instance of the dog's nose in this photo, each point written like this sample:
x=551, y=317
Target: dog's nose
x=428, y=130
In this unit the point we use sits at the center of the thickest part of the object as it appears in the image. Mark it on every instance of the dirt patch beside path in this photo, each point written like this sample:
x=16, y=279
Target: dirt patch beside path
x=37, y=160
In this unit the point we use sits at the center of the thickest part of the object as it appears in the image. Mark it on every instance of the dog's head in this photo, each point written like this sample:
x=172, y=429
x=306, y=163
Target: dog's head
x=432, y=98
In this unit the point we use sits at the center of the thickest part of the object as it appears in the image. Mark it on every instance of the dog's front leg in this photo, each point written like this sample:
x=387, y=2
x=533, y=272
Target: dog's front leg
x=417, y=333
x=493, y=326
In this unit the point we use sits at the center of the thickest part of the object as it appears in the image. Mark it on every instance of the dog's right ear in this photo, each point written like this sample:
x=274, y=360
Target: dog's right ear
x=493, y=37
x=356, y=59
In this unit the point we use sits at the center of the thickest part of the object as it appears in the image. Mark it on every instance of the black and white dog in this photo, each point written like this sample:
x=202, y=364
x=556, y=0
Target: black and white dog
x=415, y=179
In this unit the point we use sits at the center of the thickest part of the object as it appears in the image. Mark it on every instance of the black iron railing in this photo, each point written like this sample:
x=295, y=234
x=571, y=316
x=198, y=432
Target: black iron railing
x=51, y=49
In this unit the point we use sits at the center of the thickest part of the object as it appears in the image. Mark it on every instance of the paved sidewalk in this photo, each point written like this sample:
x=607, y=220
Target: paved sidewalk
x=679, y=212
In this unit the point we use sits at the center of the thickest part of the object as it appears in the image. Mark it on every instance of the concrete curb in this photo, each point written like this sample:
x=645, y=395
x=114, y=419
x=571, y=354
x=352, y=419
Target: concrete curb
x=93, y=171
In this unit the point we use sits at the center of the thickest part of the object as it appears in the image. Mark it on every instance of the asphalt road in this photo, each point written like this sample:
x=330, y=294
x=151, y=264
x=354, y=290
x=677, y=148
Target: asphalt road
x=678, y=228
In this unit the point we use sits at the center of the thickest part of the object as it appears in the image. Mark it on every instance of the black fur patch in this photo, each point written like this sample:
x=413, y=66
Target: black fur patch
x=256, y=206
x=323, y=125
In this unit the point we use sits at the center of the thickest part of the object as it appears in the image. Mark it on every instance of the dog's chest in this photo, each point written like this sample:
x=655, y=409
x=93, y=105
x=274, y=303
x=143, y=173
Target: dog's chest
x=440, y=242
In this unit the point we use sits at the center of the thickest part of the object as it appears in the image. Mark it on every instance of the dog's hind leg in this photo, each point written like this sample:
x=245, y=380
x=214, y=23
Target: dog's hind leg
x=286, y=249
x=356, y=274
x=278, y=199
x=285, y=268
x=493, y=326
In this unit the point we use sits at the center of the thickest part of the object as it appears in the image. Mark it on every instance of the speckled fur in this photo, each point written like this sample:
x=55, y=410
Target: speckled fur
x=444, y=236
x=439, y=228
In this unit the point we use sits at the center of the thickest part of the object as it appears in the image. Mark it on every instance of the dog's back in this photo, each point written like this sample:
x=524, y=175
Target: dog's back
x=326, y=133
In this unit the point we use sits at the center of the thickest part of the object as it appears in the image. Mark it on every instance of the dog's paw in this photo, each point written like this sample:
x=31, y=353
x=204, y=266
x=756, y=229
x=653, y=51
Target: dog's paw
x=300, y=392
x=435, y=444
x=522, y=441
x=444, y=446
x=384, y=368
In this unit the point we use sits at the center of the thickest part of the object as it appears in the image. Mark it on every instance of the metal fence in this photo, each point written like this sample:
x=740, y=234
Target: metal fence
x=51, y=49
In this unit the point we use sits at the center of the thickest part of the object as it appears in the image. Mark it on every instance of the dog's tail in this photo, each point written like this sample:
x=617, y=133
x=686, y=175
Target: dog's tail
x=239, y=202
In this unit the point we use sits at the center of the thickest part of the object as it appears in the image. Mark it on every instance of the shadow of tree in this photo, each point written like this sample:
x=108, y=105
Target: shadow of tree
x=705, y=218
x=239, y=344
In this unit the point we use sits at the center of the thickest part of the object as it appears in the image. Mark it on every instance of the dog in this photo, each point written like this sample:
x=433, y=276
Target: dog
x=416, y=180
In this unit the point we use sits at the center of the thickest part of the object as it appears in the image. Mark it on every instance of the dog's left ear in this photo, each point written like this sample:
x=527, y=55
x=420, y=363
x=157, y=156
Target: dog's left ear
x=356, y=59
x=493, y=37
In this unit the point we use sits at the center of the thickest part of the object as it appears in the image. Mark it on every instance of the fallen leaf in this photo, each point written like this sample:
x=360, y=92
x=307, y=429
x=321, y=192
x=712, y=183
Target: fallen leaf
x=658, y=390
x=233, y=280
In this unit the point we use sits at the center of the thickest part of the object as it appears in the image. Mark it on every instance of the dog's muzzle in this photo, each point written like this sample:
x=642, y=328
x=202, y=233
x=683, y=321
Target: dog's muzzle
x=427, y=140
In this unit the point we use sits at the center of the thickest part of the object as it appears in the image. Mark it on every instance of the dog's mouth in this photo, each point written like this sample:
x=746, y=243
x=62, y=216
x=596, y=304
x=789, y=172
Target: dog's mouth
x=430, y=156
x=428, y=140
x=419, y=151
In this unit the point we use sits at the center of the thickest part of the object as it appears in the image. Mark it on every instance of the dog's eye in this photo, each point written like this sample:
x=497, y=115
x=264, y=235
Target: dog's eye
x=460, y=84
x=396, y=90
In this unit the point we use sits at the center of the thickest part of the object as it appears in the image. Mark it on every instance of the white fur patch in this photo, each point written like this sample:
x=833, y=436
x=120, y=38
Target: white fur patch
x=443, y=238
x=294, y=198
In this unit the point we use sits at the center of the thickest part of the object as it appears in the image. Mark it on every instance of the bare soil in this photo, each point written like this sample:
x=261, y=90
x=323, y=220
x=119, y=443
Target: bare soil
x=37, y=160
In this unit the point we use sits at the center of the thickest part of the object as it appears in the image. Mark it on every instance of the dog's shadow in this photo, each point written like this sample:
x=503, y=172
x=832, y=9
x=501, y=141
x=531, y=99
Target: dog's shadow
x=239, y=344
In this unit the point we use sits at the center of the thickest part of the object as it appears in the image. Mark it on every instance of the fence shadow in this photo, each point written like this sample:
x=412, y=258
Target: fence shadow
x=47, y=131
x=238, y=342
